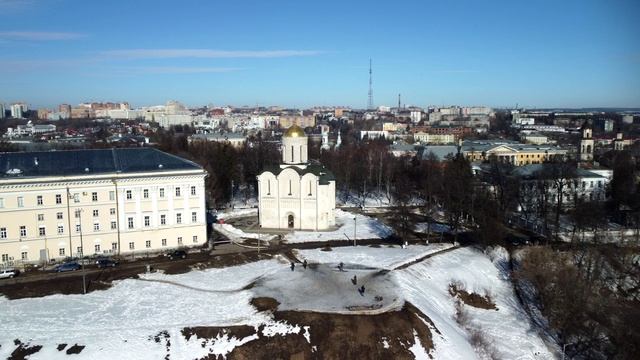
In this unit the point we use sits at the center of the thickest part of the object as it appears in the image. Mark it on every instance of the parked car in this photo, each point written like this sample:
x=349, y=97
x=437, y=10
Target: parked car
x=9, y=273
x=105, y=263
x=177, y=254
x=68, y=266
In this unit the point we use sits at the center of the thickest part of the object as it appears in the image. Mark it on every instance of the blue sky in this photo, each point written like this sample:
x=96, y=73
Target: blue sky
x=569, y=53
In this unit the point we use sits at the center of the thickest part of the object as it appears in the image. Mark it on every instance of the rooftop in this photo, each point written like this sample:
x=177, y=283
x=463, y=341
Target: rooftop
x=83, y=162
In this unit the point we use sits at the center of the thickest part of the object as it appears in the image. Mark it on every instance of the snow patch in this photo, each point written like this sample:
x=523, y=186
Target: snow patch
x=365, y=228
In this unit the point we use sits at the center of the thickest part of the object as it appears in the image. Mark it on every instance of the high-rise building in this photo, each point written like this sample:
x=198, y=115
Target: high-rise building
x=2, y=111
x=16, y=111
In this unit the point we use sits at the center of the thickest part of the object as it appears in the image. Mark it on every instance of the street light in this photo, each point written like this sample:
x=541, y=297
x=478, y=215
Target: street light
x=354, y=230
x=84, y=279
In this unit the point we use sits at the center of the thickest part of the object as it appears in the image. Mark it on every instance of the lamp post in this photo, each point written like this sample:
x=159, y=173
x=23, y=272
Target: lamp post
x=354, y=230
x=84, y=279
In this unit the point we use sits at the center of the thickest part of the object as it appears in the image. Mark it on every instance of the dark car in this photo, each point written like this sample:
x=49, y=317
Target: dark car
x=105, y=263
x=178, y=254
x=68, y=266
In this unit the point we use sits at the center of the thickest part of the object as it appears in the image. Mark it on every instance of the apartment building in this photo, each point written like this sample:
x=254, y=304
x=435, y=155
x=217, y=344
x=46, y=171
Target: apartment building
x=107, y=201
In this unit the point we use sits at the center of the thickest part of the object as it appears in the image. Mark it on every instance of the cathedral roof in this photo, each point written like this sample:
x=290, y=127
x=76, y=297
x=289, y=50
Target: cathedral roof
x=320, y=171
x=294, y=131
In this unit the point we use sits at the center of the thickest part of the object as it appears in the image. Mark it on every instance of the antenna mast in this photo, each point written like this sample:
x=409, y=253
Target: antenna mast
x=370, y=102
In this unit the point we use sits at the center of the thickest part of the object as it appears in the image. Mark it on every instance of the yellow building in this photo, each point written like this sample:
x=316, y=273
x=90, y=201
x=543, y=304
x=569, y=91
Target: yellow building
x=109, y=201
x=510, y=152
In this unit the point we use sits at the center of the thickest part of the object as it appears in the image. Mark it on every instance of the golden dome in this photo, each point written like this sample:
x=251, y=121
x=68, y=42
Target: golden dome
x=294, y=131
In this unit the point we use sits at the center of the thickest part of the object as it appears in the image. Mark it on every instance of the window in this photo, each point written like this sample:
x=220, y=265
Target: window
x=39, y=199
x=5, y=257
x=59, y=199
x=61, y=251
x=40, y=217
x=177, y=192
x=193, y=191
x=94, y=196
x=161, y=192
x=20, y=201
x=195, y=239
x=164, y=242
x=179, y=240
x=145, y=193
x=178, y=218
x=147, y=221
x=1, y=203
x=132, y=245
x=60, y=229
x=77, y=213
x=78, y=228
x=194, y=217
x=59, y=216
x=79, y=250
x=163, y=219
x=128, y=194
x=76, y=198
x=95, y=213
x=96, y=226
x=24, y=255
x=147, y=244
x=130, y=223
x=3, y=233
x=114, y=246
x=112, y=211
x=42, y=231
x=96, y=248
x=23, y=231
x=114, y=225
x=112, y=195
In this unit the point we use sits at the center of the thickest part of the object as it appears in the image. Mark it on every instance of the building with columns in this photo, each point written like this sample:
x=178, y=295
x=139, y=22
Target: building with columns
x=297, y=194
x=586, y=143
x=108, y=201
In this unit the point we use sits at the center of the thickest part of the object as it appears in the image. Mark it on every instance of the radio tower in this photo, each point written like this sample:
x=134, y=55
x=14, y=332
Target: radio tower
x=370, y=102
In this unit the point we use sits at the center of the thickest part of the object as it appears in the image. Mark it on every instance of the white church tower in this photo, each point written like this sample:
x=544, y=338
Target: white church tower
x=296, y=195
x=586, y=143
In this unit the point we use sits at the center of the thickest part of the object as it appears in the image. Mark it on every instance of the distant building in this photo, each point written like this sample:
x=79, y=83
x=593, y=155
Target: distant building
x=233, y=139
x=29, y=130
x=17, y=111
x=374, y=134
x=286, y=121
x=511, y=152
x=2, y=111
x=535, y=138
x=416, y=116
x=432, y=138
x=586, y=143
x=627, y=119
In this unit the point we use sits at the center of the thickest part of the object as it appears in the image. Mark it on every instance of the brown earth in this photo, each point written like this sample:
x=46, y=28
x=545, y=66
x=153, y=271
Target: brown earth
x=22, y=351
x=332, y=336
x=472, y=299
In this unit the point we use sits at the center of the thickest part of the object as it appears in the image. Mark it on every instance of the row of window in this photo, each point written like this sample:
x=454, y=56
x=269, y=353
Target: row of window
x=145, y=193
x=163, y=220
x=97, y=248
x=94, y=196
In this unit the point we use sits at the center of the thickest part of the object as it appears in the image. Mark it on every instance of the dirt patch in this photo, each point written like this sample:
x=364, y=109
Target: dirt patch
x=331, y=336
x=326, y=248
x=265, y=304
x=471, y=299
x=61, y=347
x=212, y=332
x=23, y=351
x=375, y=246
x=75, y=349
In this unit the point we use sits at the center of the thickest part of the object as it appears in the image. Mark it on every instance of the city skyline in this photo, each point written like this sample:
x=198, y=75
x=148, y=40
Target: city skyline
x=573, y=54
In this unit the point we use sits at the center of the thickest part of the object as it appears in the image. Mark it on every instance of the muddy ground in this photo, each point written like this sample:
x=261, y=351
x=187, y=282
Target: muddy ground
x=332, y=336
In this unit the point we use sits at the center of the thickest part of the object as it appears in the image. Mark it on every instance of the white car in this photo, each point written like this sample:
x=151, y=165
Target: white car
x=8, y=273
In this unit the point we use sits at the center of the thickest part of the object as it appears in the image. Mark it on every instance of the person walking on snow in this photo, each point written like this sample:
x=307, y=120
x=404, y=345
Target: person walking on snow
x=304, y=264
x=293, y=266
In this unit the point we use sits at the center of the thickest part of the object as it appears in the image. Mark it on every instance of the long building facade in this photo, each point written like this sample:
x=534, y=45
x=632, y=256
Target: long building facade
x=94, y=202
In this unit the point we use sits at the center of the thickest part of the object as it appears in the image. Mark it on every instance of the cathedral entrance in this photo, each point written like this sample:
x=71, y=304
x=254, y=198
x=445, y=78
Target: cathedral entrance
x=290, y=222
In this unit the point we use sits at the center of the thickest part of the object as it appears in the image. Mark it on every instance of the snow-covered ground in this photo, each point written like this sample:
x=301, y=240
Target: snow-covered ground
x=383, y=257
x=237, y=235
x=125, y=318
x=236, y=213
x=435, y=228
x=366, y=228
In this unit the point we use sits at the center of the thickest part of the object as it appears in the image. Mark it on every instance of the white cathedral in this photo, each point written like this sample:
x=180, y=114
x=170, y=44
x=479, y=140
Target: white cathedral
x=297, y=194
